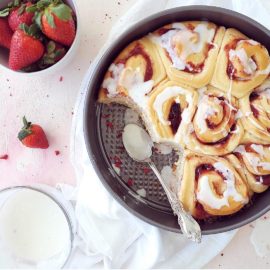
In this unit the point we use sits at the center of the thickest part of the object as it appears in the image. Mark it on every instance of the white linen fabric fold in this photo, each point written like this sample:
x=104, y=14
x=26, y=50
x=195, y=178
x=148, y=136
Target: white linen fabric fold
x=113, y=237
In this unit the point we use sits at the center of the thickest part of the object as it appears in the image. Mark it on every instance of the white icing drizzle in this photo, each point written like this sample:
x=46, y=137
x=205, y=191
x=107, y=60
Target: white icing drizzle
x=111, y=82
x=258, y=149
x=163, y=148
x=239, y=114
x=204, y=111
x=138, y=92
x=167, y=94
x=240, y=149
x=201, y=92
x=247, y=62
x=191, y=41
x=250, y=41
x=256, y=162
x=205, y=194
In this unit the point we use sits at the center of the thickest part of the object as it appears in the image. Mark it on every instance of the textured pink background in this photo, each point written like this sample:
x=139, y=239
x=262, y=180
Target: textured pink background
x=49, y=102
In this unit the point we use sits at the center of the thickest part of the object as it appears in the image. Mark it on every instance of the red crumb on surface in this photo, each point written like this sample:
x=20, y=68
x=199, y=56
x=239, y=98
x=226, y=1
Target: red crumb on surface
x=4, y=157
x=130, y=182
x=117, y=161
x=61, y=79
x=265, y=217
x=119, y=134
x=109, y=124
x=57, y=152
x=222, y=254
x=146, y=170
x=105, y=115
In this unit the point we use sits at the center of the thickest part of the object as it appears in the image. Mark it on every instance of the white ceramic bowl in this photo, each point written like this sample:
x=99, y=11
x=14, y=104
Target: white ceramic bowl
x=4, y=53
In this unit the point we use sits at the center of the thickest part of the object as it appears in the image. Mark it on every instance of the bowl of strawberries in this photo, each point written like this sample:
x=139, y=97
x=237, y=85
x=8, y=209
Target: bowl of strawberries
x=37, y=35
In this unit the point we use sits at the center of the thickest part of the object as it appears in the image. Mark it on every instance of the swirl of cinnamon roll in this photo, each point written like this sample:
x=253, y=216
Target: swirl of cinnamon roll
x=214, y=129
x=189, y=50
x=255, y=164
x=133, y=74
x=242, y=64
x=211, y=186
x=171, y=107
x=255, y=118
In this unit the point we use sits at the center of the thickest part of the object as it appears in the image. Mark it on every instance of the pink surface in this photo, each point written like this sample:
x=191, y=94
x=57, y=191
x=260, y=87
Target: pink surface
x=49, y=102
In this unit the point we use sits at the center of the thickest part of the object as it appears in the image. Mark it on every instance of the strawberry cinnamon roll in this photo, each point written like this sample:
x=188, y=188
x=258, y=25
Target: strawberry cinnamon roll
x=211, y=186
x=242, y=64
x=189, y=50
x=255, y=109
x=170, y=109
x=255, y=164
x=133, y=74
x=215, y=129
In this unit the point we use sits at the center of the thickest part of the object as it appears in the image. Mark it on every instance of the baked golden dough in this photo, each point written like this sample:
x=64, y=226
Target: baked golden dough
x=209, y=120
x=211, y=186
x=255, y=164
x=139, y=62
x=214, y=129
x=255, y=109
x=170, y=108
x=242, y=64
x=189, y=51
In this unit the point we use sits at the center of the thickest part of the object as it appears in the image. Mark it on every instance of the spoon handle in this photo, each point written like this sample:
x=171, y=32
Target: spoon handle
x=187, y=223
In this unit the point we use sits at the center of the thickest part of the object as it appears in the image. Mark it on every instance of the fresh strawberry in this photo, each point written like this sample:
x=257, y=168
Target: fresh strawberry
x=25, y=48
x=57, y=23
x=5, y=33
x=33, y=136
x=20, y=15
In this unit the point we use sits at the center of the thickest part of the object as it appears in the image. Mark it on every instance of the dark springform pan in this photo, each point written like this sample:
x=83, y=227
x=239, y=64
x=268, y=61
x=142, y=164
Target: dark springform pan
x=164, y=219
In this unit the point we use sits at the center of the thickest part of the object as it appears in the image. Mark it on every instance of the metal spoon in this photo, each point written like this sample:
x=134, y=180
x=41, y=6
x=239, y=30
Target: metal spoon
x=138, y=145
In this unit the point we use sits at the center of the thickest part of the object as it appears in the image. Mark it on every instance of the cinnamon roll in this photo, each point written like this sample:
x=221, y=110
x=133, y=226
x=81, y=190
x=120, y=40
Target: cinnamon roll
x=255, y=163
x=171, y=107
x=242, y=64
x=215, y=129
x=133, y=74
x=211, y=186
x=255, y=109
x=189, y=50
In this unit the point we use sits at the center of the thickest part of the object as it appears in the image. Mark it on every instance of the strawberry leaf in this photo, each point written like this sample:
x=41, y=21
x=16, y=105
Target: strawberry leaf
x=32, y=30
x=51, y=47
x=37, y=19
x=50, y=18
x=26, y=129
x=21, y=9
x=62, y=11
x=31, y=9
x=23, y=134
x=4, y=12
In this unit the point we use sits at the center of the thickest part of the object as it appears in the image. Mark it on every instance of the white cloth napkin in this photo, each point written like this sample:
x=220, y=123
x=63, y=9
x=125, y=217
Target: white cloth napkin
x=112, y=237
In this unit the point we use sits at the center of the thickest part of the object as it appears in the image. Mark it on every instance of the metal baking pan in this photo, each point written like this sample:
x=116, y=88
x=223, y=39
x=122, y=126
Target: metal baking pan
x=103, y=124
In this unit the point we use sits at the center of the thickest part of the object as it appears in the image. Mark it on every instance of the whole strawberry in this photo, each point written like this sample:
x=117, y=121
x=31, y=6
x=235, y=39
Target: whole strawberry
x=57, y=23
x=33, y=136
x=25, y=48
x=5, y=33
x=20, y=15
